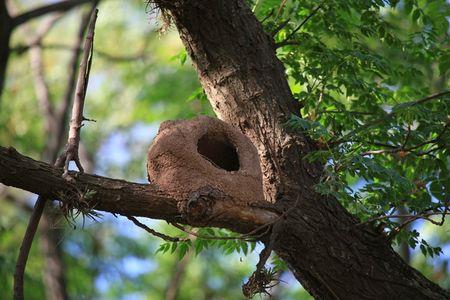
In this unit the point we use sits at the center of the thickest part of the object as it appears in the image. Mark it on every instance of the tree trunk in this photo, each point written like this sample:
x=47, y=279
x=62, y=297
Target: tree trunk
x=246, y=85
x=54, y=271
x=6, y=27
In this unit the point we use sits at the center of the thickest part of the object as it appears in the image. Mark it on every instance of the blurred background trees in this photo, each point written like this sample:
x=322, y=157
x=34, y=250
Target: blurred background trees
x=141, y=76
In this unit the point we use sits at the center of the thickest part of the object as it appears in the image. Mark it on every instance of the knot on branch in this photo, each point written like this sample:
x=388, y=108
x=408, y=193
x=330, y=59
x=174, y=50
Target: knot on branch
x=199, y=206
x=188, y=155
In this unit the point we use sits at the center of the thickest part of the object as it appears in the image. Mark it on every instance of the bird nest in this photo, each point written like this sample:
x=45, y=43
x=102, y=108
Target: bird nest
x=189, y=155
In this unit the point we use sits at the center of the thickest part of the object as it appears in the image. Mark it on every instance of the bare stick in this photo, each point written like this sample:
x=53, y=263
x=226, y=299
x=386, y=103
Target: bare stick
x=71, y=150
x=156, y=233
x=62, y=161
x=62, y=112
x=287, y=40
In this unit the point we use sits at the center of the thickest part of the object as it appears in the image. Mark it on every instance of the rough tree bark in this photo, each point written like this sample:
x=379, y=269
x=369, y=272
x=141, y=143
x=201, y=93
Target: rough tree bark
x=246, y=84
x=85, y=192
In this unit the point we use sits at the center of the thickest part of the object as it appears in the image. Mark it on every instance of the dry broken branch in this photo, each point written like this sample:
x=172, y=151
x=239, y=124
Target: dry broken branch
x=73, y=142
x=62, y=112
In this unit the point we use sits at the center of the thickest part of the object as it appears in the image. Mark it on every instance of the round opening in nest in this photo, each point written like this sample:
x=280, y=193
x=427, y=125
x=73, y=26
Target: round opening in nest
x=219, y=151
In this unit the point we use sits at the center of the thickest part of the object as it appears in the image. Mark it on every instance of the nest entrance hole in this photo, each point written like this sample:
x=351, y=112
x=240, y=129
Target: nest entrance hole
x=219, y=150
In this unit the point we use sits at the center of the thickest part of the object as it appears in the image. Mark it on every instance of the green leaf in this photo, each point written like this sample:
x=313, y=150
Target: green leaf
x=444, y=64
x=182, y=250
x=173, y=248
x=199, y=245
x=408, y=6
x=423, y=249
x=440, y=189
x=416, y=15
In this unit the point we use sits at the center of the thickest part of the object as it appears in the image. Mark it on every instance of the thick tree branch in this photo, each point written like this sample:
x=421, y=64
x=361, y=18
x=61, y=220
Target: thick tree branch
x=61, y=6
x=118, y=196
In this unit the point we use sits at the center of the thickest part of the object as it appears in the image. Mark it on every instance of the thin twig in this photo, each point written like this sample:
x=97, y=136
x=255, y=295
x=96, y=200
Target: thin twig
x=431, y=97
x=366, y=126
x=62, y=112
x=408, y=135
x=427, y=216
x=140, y=55
x=206, y=237
x=396, y=149
x=335, y=111
x=410, y=218
x=156, y=233
x=280, y=8
x=287, y=39
x=279, y=27
x=268, y=16
x=261, y=279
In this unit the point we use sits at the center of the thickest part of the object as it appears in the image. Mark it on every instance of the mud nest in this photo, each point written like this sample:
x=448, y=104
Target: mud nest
x=188, y=155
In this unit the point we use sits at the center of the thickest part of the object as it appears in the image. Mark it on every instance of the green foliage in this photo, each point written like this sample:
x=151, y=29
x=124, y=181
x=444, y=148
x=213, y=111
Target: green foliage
x=363, y=71
x=205, y=238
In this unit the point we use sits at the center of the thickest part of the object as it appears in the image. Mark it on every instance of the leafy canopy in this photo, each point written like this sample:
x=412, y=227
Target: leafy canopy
x=364, y=72
x=372, y=78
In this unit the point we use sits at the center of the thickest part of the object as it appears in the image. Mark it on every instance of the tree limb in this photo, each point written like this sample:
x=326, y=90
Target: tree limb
x=45, y=9
x=25, y=248
x=119, y=196
x=73, y=142
x=62, y=113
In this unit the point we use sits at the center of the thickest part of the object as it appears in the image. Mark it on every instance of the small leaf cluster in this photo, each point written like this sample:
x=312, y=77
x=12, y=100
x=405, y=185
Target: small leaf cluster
x=228, y=242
